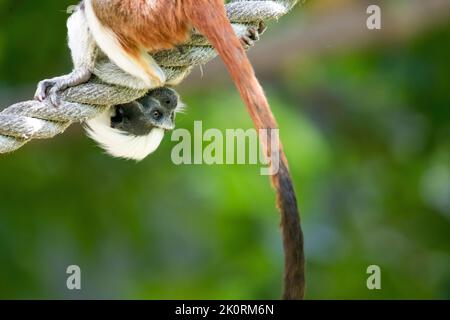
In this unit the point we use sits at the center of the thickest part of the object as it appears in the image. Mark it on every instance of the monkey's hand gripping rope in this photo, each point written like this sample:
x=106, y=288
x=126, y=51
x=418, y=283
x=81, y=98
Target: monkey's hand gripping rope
x=29, y=120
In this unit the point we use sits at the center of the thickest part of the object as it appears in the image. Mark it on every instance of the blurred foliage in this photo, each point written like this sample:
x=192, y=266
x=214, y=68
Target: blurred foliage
x=367, y=135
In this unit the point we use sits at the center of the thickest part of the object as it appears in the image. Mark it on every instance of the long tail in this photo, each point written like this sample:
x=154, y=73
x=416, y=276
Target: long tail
x=210, y=19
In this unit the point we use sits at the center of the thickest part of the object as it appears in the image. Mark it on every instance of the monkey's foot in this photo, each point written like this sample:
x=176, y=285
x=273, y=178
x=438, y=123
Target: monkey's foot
x=52, y=87
x=253, y=35
x=42, y=89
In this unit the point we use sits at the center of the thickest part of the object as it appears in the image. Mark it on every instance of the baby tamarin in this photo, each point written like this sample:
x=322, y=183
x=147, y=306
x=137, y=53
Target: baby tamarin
x=128, y=30
x=134, y=130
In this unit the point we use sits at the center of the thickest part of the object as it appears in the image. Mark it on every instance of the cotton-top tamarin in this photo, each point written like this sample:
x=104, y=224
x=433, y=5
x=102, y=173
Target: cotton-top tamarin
x=128, y=31
x=92, y=44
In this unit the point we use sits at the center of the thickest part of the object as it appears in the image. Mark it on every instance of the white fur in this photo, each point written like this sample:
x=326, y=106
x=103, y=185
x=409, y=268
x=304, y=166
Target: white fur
x=181, y=107
x=81, y=43
x=109, y=44
x=151, y=3
x=121, y=144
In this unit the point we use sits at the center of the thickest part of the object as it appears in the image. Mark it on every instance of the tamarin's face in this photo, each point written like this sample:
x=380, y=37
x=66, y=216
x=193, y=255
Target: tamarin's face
x=156, y=109
x=136, y=129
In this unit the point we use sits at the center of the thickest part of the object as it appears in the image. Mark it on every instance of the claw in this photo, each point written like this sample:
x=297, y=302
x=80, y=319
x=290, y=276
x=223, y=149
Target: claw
x=253, y=34
x=247, y=42
x=43, y=87
x=262, y=27
x=55, y=95
x=55, y=99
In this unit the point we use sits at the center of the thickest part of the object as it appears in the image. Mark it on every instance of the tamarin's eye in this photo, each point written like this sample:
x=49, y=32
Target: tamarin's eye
x=168, y=102
x=157, y=115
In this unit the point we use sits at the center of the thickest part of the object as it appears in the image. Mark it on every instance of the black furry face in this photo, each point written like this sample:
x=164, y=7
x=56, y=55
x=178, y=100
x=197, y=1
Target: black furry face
x=156, y=109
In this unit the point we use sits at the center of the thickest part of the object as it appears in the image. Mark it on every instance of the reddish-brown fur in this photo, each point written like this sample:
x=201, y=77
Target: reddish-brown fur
x=166, y=24
x=138, y=25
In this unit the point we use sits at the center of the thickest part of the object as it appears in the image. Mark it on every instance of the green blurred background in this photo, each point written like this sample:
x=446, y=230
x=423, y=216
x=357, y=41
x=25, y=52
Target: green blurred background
x=364, y=117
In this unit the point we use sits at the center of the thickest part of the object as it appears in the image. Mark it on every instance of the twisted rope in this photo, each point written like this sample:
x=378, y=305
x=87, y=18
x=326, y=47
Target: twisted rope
x=24, y=121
